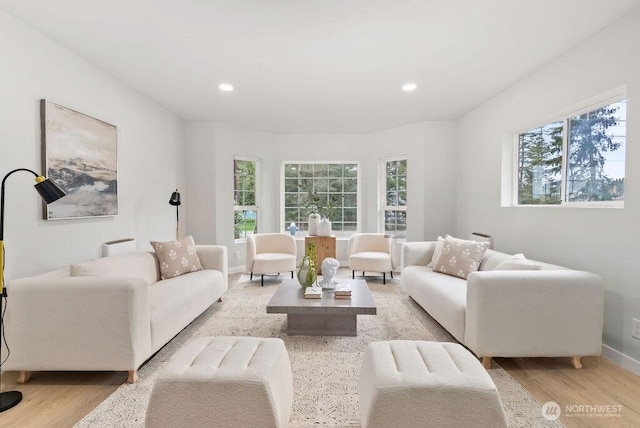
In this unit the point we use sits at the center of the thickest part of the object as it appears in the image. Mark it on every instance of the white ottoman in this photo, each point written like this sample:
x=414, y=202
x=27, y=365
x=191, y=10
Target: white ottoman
x=428, y=384
x=224, y=382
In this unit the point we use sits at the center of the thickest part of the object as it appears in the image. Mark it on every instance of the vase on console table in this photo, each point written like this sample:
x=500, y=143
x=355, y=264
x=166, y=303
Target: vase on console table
x=314, y=219
x=324, y=227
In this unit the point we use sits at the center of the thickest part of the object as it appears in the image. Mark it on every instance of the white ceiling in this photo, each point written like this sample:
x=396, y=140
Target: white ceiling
x=319, y=66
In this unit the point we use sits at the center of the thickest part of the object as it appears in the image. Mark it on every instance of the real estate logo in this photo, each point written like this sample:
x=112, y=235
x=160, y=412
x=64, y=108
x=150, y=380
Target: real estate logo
x=551, y=410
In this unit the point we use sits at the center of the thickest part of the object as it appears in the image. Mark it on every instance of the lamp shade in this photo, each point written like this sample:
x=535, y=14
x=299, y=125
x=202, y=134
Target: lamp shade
x=48, y=190
x=175, y=198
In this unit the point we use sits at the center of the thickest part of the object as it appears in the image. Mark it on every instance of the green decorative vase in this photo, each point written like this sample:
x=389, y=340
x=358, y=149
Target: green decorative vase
x=307, y=273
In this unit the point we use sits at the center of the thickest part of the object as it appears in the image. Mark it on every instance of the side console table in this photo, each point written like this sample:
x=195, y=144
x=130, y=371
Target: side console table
x=325, y=247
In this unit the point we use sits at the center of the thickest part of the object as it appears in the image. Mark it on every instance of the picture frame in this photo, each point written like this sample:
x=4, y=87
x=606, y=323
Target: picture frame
x=80, y=154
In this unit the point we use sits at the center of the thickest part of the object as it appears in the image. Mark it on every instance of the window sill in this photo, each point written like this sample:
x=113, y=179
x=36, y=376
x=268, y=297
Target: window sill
x=597, y=205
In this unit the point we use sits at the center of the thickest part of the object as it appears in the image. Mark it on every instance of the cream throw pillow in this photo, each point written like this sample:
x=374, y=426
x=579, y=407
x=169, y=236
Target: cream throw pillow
x=436, y=252
x=177, y=257
x=517, y=262
x=460, y=257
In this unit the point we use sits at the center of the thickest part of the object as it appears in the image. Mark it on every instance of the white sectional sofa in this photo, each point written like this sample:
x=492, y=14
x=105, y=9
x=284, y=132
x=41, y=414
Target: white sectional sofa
x=109, y=314
x=550, y=312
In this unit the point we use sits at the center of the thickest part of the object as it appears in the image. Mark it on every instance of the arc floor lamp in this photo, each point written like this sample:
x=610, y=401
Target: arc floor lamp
x=49, y=192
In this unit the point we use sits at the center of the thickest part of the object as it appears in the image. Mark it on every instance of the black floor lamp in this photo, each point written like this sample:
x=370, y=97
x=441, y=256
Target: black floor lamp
x=175, y=201
x=49, y=193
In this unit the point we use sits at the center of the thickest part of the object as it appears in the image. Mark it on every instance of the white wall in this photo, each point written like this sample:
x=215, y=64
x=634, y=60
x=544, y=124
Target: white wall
x=150, y=157
x=201, y=181
x=211, y=149
x=429, y=147
x=604, y=241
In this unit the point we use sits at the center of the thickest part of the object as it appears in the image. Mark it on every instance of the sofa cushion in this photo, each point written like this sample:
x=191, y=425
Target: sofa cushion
x=371, y=261
x=460, y=257
x=492, y=258
x=437, y=251
x=177, y=257
x=444, y=297
x=135, y=264
x=517, y=262
x=175, y=302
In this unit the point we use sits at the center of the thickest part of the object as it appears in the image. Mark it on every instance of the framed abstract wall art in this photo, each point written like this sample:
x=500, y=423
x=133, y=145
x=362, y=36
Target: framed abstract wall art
x=80, y=154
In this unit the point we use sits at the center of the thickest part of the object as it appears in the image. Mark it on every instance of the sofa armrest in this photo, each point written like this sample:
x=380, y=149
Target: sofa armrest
x=214, y=257
x=416, y=253
x=77, y=323
x=547, y=313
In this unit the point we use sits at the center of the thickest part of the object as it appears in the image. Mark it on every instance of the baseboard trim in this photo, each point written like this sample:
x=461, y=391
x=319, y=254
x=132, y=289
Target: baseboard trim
x=620, y=359
x=237, y=269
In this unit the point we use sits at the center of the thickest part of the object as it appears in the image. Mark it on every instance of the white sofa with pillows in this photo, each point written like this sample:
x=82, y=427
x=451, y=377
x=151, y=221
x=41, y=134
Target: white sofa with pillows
x=499, y=305
x=111, y=313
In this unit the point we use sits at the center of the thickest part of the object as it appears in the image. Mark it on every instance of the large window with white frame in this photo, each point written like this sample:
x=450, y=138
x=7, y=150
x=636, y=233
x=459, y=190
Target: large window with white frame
x=245, y=197
x=394, y=196
x=329, y=188
x=577, y=160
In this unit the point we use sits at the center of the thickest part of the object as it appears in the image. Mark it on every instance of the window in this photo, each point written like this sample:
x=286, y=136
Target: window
x=576, y=160
x=245, y=206
x=328, y=188
x=394, y=198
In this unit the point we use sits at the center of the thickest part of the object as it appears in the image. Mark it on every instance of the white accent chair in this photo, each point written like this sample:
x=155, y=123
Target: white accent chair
x=270, y=253
x=371, y=252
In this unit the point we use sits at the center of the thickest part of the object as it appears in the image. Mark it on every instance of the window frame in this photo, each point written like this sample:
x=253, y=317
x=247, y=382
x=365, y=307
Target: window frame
x=337, y=233
x=382, y=194
x=255, y=207
x=610, y=97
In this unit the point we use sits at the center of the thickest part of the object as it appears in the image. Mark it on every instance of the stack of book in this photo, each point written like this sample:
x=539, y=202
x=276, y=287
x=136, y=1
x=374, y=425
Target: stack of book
x=343, y=291
x=313, y=293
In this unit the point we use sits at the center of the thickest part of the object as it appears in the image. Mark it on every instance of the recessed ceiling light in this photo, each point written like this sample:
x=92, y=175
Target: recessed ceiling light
x=225, y=87
x=409, y=87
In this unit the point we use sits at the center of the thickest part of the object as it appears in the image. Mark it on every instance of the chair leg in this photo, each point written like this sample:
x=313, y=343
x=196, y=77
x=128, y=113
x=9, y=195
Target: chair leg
x=262, y=280
x=251, y=277
x=391, y=274
x=291, y=274
x=353, y=274
x=384, y=278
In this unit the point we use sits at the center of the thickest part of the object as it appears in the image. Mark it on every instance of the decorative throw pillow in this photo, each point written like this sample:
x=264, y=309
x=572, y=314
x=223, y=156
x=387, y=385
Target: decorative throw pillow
x=460, y=257
x=436, y=252
x=517, y=262
x=177, y=257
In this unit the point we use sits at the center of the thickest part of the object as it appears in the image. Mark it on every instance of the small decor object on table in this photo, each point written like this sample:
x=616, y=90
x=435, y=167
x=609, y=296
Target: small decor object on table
x=343, y=291
x=313, y=293
x=307, y=274
x=329, y=269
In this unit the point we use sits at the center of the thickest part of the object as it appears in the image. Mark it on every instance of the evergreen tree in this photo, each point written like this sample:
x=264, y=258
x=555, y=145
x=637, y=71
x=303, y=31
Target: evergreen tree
x=587, y=145
x=540, y=163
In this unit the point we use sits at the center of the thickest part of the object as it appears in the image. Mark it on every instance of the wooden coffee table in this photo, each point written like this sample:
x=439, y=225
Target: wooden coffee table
x=322, y=317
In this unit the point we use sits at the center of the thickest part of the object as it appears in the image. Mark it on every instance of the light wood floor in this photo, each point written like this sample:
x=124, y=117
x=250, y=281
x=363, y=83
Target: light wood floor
x=598, y=383
x=60, y=399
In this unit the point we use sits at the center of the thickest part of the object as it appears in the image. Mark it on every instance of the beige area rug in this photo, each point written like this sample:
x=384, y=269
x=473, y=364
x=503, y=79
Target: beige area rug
x=325, y=369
